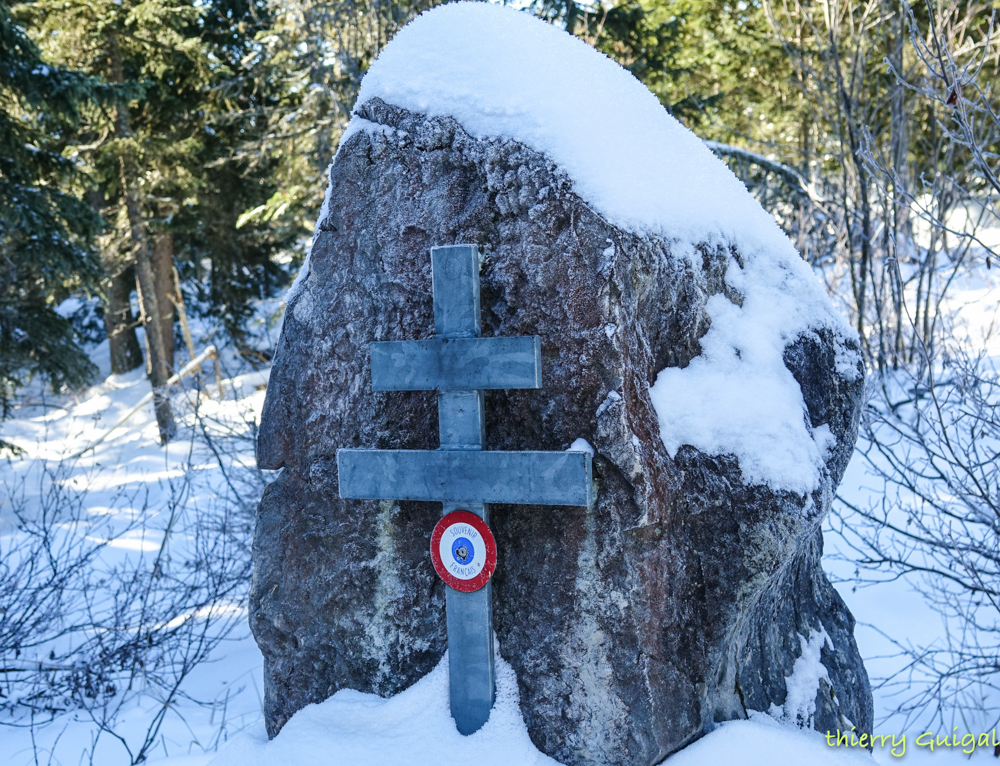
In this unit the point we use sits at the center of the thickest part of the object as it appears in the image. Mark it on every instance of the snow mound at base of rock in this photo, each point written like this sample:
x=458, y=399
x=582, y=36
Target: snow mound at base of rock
x=761, y=741
x=414, y=727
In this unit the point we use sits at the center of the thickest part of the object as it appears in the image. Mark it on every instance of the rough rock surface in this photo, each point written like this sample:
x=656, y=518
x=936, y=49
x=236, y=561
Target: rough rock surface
x=676, y=601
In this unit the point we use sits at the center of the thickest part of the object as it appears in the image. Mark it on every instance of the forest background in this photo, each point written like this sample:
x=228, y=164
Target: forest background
x=139, y=137
x=165, y=160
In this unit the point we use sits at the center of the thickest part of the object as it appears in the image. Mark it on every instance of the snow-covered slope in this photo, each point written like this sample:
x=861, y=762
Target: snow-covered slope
x=504, y=73
x=127, y=500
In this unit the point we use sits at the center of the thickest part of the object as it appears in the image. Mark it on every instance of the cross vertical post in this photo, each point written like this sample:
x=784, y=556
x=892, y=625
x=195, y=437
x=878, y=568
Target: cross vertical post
x=462, y=426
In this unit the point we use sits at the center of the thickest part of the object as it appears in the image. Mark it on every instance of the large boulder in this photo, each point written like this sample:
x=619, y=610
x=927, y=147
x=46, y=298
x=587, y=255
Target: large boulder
x=688, y=594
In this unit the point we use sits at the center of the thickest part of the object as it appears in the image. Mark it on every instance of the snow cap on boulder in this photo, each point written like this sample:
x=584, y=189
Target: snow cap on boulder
x=503, y=73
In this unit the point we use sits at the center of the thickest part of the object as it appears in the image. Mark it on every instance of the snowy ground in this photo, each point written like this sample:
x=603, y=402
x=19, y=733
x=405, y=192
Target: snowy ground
x=218, y=716
x=128, y=489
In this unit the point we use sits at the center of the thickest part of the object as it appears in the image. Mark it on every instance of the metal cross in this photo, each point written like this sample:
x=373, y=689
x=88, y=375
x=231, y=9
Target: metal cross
x=459, y=364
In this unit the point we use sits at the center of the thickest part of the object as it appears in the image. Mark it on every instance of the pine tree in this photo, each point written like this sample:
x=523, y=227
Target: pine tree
x=309, y=65
x=235, y=176
x=163, y=154
x=45, y=232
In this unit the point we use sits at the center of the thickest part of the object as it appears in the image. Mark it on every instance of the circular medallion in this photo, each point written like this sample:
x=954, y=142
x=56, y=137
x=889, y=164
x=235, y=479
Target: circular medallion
x=463, y=551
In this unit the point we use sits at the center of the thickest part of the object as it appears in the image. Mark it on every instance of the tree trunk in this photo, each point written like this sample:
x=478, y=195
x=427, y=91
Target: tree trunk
x=572, y=14
x=902, y=232
x=163, y=276
x=119, y=323
x=159, y=370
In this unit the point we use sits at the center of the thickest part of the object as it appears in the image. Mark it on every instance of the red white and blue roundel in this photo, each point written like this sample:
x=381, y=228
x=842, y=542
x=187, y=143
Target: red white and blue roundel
x=463, y=551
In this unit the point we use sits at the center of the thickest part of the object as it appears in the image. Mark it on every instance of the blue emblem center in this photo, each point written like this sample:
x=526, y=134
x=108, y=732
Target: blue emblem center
x=462, y=551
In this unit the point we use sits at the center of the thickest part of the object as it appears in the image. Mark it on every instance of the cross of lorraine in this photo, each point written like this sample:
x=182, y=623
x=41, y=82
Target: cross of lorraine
x=461, y=474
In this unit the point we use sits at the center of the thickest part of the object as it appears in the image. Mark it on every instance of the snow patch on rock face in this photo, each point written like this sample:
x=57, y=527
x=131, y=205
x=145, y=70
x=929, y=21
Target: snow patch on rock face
x=503, y=73
x=802, y=685
x=414, y=727
x=738, y=397
x=299, y=283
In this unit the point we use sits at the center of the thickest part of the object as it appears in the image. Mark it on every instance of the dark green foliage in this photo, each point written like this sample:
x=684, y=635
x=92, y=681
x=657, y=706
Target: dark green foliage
x=208, y=230
x=44, y=230
x=240, y=261
x=307, y=71
x=196, y=111
x=648, y=42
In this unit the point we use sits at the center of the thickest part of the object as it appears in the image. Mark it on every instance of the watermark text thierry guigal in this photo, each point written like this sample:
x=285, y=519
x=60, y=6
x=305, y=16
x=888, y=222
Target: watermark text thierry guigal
x=896, y=743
